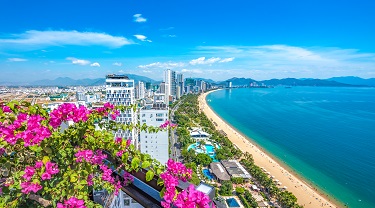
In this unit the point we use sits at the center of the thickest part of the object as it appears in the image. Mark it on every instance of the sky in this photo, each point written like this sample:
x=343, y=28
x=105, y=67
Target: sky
x=259, y=39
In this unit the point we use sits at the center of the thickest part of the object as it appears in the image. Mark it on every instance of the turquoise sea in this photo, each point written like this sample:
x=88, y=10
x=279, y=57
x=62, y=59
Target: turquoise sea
x=325, y=134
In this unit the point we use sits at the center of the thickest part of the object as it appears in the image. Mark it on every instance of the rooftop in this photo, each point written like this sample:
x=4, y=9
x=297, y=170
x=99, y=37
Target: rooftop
x=117, y=76
x=219, y=171
x=235, y=169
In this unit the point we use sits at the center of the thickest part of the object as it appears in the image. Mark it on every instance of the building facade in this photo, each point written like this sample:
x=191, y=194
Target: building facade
x=120, y=91
x=180, y=83
x=155, y=144
x=141, y=90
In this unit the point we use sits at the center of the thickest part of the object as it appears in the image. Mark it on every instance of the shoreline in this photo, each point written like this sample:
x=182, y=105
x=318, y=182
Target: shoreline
x=307, y=194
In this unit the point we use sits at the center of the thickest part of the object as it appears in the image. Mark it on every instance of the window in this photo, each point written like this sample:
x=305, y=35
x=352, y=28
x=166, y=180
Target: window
x=126, y=202
x=159, y=119
x=159, y=115
x=143, y=115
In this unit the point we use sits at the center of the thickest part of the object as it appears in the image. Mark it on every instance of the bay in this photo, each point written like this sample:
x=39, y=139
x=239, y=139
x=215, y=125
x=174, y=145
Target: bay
x=324, y=134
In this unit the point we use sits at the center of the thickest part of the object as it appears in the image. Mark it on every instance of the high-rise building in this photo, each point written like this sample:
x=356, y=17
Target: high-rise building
x=120, y=91
x=170, y=84
x=155, y=144
x=178, y=95
x=80, y=96
x=229, y=84
x=173, y=83
x=180, y=82
x=162, y=88
x=148, y=85
x=141, y=90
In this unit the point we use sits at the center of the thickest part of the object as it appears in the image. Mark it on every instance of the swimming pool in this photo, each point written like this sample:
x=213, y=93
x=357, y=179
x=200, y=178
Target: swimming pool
x=207, y=173
x=209, y=149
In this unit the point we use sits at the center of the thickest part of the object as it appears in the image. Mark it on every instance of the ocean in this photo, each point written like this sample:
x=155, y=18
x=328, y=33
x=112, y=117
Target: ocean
x=324, y=134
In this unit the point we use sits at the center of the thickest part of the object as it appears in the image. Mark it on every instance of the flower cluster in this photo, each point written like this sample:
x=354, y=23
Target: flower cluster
x=128, y=178
x=192, y=198
x=167, y=123
x=90, y=157
x=186, y=198
x=49, y=170
x=179, y=170
x=6, y=109
x=115, y=114
x=119, y=140
x=104, y=111
x=72, y=203
x=96, y=158
x=28, y=187
x=68, y=112
x=33, y=132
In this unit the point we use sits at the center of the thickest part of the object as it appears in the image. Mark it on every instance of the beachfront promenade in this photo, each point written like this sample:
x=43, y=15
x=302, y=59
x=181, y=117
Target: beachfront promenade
x=306, y=195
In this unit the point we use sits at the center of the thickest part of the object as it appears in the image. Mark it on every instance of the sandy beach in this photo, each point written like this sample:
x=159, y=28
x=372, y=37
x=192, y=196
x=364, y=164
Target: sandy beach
x=306, y=195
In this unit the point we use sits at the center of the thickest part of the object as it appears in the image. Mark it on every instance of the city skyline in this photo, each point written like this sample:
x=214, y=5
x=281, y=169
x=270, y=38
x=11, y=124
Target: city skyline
x=259, y=40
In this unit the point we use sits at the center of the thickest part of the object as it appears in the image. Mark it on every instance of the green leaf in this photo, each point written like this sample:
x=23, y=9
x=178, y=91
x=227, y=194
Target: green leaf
x=36, y=148
x=145, y=164
x=47, y=150
x=45, y=159
x=149, y=175
x=158, y=171
x=135, y=163
x=162, y=192
x=160, y=182
x=73, y=177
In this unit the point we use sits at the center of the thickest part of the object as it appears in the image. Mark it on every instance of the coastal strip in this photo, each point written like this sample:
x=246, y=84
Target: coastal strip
x=306, y=195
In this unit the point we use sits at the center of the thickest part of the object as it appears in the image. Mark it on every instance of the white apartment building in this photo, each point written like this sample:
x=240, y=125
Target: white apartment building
x=120, y=91
x=155, y=144
x=141, y=90
x=170, y=84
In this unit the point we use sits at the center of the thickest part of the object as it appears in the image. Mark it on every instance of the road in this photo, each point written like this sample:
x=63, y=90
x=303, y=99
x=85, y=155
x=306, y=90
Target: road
x=176, y=146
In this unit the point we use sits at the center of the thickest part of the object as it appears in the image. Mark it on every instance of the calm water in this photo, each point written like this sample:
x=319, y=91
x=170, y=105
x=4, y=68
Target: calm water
x=327, y=135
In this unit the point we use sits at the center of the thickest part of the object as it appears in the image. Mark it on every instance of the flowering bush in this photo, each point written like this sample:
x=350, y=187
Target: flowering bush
x=43, y=163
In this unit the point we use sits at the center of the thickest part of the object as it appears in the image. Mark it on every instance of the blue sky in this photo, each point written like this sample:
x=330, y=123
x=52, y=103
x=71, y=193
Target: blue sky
x=259, y=39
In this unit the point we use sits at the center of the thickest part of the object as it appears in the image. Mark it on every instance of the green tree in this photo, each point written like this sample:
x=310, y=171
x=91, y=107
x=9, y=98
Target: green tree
x=203, y=159
x=237, y=180
x=240, y=190
x=226, y=188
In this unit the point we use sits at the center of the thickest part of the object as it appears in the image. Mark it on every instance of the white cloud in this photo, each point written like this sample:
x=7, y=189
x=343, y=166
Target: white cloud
x=162, y=65
x=139, y=18
x=117, y=64
x=142, y=38
x=280, y=61
x=147, y=71
x=121, y=71
x=39, y=39
x=194, y=71
x=96, y=64
x=225, y=60
x=203, y=60
x=16, y=59
x=78, y=61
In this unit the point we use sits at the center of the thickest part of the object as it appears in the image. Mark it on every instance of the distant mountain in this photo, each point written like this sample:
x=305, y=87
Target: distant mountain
x=286, y=82
x=354, y=80
x=66, y=81
x=206, y=80
x=303, y=82
x=239, y=81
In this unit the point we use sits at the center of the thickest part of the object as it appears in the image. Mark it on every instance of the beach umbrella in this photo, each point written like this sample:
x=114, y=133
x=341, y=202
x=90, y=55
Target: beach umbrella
x=279, y=183
x=285, y=187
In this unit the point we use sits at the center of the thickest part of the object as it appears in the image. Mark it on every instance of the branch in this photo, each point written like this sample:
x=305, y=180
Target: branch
x=40, y=200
